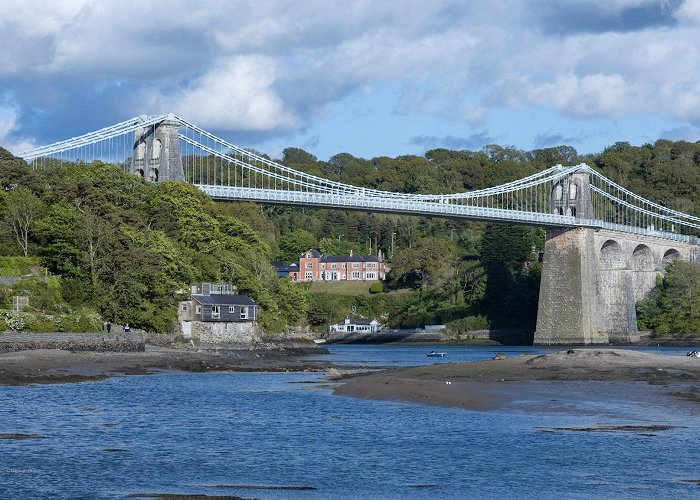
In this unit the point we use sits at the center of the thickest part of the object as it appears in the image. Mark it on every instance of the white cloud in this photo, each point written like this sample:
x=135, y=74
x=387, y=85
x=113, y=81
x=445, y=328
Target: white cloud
x=276, y=65
x=8, y=126
x=238, y=94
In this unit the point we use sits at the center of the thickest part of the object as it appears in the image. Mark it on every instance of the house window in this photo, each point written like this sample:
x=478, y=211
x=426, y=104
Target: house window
x=244, y=312
x=309, y=275
x=231, y=309
x=334, y=266
x=198, y=309
x=294, y=276
x=370, y=276
x=344, y=266
x=184, y=307
x=308, y=265
x=356, y=275
x=355, y=265
x=215, y=312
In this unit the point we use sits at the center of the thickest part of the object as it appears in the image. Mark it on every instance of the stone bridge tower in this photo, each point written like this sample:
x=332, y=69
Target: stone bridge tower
x=592, y=278
x=156, y=155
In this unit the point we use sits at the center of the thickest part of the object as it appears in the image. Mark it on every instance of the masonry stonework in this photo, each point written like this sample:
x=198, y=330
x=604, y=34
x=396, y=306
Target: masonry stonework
x=592, y=279
x=222, y=332
x=157, y=152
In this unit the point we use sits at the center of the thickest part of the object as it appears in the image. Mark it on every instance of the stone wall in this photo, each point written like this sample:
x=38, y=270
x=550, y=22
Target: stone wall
x=221, y=332
x=592, y=279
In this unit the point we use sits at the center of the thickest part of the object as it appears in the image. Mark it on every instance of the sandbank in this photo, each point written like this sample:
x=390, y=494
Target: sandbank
x=533, y=382
x=41, y=366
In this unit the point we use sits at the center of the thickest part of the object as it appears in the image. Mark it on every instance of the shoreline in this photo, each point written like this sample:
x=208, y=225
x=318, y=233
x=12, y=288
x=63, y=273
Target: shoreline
x=537, y=381
x=56, y=366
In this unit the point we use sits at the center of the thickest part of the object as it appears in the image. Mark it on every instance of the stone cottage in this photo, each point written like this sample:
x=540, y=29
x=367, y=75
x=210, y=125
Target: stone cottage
x=215, y=313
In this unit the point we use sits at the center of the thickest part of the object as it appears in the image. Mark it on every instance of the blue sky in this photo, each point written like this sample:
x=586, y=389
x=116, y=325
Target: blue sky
x=369, y=78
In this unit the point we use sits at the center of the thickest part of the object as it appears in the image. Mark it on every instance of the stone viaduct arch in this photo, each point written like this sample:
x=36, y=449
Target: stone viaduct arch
x=592, y=279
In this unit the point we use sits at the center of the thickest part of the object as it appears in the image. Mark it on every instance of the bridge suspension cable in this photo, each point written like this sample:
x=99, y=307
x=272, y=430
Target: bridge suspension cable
x=226, y=171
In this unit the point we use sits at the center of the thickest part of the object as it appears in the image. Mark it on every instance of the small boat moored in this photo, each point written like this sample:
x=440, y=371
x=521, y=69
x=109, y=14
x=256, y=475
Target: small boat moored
x=695, y=354
x=319, y=341
x=433, y=354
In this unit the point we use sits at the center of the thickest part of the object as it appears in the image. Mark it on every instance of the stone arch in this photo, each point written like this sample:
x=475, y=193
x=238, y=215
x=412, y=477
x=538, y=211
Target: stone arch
x=558, y=192
x=669, y=256
x=611, y=255
x=643, y=259
x=155, y=149
x=573, y=191
x=153, y=175
x=140, y=151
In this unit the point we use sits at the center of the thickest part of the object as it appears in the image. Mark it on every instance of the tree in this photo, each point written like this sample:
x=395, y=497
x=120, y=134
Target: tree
x=93, y=234
x=23, y=210
x=293, y=244
x=674, y=305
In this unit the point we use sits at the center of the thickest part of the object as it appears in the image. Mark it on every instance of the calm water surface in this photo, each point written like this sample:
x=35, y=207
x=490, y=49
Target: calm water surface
x=183, y=433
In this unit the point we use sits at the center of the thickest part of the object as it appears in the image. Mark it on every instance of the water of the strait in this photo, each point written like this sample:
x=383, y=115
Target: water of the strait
x=214, y=433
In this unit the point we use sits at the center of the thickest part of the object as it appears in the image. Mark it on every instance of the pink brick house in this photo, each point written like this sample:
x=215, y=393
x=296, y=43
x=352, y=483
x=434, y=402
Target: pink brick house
x=314, y=266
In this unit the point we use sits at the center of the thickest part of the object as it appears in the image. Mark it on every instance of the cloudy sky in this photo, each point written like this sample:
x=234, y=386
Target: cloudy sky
x=366, y=77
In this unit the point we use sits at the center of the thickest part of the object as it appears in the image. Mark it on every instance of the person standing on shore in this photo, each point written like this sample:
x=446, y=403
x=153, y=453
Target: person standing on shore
x=109, y=326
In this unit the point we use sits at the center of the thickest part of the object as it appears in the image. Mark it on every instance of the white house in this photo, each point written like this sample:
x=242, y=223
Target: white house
x=359, y=325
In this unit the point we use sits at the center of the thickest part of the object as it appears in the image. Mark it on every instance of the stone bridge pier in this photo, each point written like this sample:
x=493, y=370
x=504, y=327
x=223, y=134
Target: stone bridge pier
x=157, y=152
x=591, y=280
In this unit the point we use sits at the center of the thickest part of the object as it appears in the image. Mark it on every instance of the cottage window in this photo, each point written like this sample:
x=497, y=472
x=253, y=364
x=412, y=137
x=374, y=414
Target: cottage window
x=334, y=266
x=244, y=312
x=231, y=309
x=370, y=276
x=184, y=307
x=344, y=265
x=355, y=265
x=308, y=265
x=215, y=312
x=356, y=275
x=309, y=275
x=198, y=309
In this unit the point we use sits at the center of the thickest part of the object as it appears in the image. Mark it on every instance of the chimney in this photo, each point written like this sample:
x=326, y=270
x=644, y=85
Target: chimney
x=350, y=253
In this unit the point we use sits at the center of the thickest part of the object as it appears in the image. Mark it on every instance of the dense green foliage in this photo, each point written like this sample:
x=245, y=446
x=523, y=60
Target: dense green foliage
x=126, y=248
x=674, y=305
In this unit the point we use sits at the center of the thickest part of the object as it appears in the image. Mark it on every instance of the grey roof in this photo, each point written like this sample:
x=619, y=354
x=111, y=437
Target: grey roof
x=361, y=321
x=349, y=258
x=230, y=300
x=280, y=267
x=313, y=252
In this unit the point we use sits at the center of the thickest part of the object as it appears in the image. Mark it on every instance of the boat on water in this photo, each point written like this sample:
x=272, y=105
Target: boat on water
x=695, y=354
x=319, y=341
x=433, y=354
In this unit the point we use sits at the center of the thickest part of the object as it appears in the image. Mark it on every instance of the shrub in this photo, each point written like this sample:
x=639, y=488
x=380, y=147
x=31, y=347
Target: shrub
x=15, y=321
x=17, y=266
x=465, y=325
x=376, y=288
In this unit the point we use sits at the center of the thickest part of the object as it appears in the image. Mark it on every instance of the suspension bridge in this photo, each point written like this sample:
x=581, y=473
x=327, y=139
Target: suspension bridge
x=166, y=147
x=605, y=244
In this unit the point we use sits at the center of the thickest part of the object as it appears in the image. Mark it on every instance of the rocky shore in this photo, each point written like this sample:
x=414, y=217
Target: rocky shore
x=549, y=380
x=83, y=362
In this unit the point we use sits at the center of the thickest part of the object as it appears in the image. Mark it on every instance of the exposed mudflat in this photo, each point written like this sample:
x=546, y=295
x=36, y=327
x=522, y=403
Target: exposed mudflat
x=46, y=366
x=551, y=378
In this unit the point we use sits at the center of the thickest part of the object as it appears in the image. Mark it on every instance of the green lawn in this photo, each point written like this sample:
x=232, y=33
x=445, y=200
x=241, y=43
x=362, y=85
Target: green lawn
x=342, y=287
x=348, y=288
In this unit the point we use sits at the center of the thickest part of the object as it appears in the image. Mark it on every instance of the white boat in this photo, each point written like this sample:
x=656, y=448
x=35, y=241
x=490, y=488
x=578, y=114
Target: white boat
x=433, y=354
x=319, y=341
x=695, y=354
